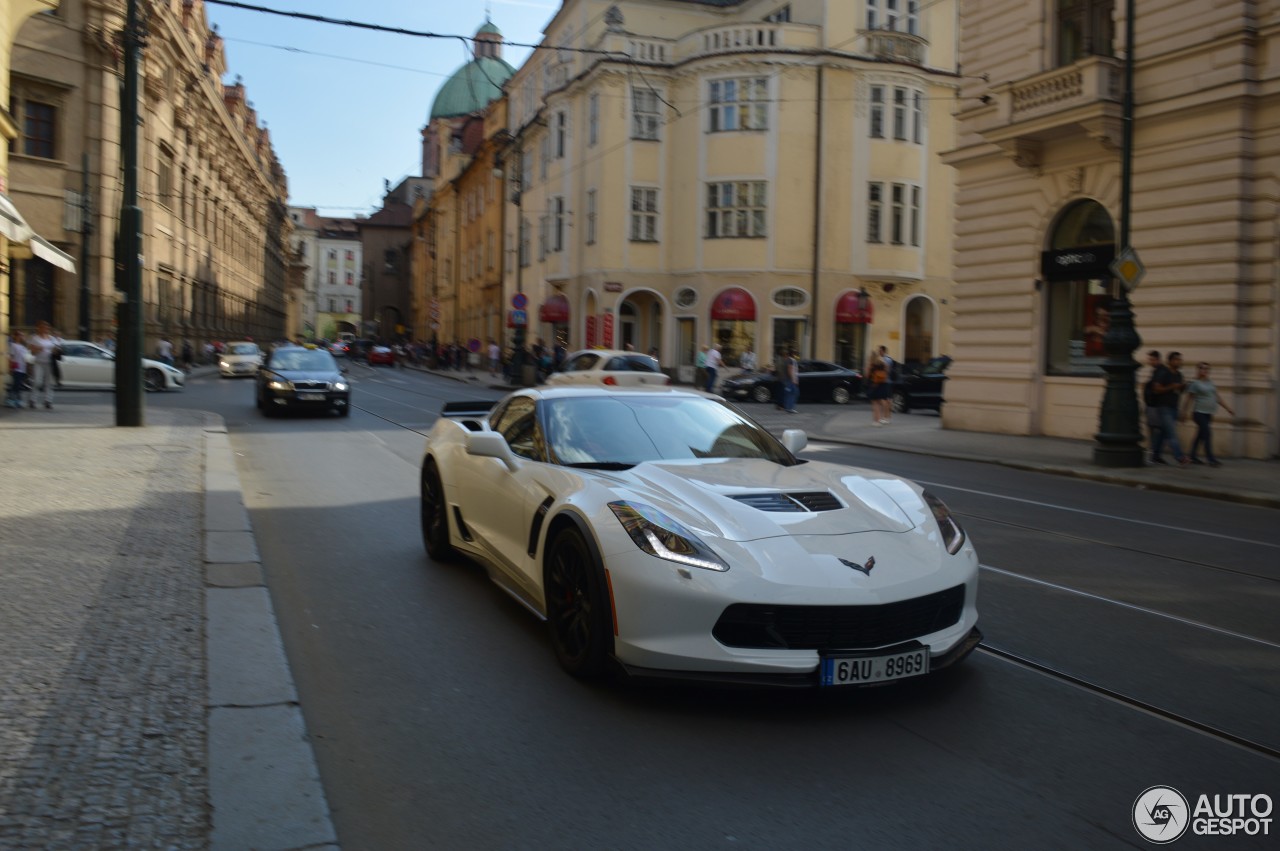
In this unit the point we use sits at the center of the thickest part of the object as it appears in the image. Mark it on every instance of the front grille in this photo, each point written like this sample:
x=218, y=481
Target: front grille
x=790, y=502
x=755, y=625
x=311, y=385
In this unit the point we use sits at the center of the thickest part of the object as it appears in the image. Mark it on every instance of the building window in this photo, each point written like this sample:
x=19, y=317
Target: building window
x=899, y=113
x=333, y=278
x=544, y=154
x=351, y=255
x=544, y=225
x=526, y=170
x=562, y=134
x=897, y=213
x=736, y=209
x=875, y=205
x=591, y=217
x=779, y=16
x=644, y=214
x=877, y=112
x=917, y=114
x=350, y=306
x=333, y=305
x=686, y=297
x=557, y=211
x=350, y=280
x=593, y=119
x=913, y=214
x=790, y=297
x=488, y=251
x=898, y=15
x=333, y=254
x=1084, y=29
x=739, y=104
x=644, y=114
x=39, y=126
x=524, y=241
x=1077, y=278
x=164, y=179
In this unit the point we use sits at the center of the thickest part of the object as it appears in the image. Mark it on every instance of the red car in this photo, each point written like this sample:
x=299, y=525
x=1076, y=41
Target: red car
x=381, y=354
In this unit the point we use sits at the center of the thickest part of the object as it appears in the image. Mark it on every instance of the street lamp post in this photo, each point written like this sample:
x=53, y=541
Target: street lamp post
x=1119, y=438
x=129, y=260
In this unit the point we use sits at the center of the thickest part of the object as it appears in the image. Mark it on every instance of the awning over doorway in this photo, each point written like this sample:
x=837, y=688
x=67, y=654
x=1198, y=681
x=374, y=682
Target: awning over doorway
x=734, y=304
x=854, y=308
x=15, y=227
x=554, y=310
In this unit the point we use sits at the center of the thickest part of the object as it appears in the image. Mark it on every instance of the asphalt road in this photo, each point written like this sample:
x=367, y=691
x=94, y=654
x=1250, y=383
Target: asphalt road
x=1137, y=643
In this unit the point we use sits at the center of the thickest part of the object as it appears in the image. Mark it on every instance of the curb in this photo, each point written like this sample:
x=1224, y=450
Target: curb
x=264, y=784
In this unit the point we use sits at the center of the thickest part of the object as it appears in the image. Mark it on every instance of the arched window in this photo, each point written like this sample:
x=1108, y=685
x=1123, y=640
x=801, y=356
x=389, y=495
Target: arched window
x=1077, y=281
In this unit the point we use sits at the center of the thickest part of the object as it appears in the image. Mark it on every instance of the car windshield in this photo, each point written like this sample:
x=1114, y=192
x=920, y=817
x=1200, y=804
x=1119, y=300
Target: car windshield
x=243, y=349
x=622, y=430
x=311, y=360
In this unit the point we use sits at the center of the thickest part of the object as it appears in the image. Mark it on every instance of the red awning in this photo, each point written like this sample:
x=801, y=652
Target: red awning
x=554, y=309
x=734, y=304
x=855, y=308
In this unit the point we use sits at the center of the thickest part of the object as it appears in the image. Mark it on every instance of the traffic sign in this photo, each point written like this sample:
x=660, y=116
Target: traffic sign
x=519, y=301
x=517, y=319
x=1128, y=268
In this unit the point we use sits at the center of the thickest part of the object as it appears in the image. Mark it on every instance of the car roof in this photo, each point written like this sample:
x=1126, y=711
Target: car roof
x=568, y=391
x=609, y=353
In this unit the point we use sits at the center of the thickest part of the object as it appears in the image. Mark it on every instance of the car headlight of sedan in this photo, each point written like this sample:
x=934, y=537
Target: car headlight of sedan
x=341, y=386
x=280, y=384
x=661, y=536
x=952, y=534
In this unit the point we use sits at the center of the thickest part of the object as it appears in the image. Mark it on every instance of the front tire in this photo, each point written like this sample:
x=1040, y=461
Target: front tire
x=578, y=615
x=901, y=402
x=840, y=395
x=434, y=513
x=761, y=393
x=153, y=380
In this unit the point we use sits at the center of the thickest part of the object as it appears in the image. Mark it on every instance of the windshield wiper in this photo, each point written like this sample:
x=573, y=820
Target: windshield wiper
x=602, y=465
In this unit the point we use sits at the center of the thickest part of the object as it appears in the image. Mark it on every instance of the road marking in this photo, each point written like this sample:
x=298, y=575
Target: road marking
x=1130, y=606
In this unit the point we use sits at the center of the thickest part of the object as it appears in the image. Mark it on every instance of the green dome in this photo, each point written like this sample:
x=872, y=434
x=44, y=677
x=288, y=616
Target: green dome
x=488, y=29
x=471, y=88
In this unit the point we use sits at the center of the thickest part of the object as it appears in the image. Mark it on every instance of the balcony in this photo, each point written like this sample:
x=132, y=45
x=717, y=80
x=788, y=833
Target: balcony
x=1082, y=99
x=893, y=46
x=735, y=38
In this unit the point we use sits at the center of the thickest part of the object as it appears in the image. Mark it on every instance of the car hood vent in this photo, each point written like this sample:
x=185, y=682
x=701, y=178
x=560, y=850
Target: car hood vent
x=777, y=501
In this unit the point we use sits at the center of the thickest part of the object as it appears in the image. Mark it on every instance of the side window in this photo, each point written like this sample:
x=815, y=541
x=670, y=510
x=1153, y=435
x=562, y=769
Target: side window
x=618, y=365
x=518, y=423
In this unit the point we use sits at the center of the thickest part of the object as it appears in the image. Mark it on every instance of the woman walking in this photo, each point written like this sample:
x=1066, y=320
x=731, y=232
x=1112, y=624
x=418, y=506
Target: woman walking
x=878, y=389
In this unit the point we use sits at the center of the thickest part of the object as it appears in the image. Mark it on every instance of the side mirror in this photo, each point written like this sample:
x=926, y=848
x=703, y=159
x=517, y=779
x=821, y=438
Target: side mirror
x=795, y=439
x=490, y=444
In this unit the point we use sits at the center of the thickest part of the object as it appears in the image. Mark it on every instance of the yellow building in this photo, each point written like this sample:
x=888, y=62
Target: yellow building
x=1040, y=196
x=746, y=173
x=212, y=193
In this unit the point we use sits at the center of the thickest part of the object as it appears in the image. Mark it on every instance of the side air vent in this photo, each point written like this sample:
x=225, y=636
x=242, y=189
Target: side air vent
x=789, y=502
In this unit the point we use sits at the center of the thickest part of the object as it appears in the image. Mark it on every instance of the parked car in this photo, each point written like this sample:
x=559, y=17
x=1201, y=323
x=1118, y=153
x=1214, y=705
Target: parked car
x=88, y=366
x=921, y=386
x=302, y=378
x=613, y=367
x=240, y=359
x=339, y=348
x=381, y=354
x=660, y=532
x=820, y=381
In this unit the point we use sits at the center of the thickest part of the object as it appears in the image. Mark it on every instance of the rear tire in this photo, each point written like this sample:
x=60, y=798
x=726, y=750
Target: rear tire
x=901, y=402
x=761, y=393
x=434, y=514
x=578, y=616
x=153, y=379
x=840, y=395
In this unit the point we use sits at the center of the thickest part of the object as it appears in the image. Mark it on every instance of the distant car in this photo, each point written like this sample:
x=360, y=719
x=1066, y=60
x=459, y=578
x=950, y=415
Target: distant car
x=302, y=378
x=820, y=381
x=239, y=360
x=88, y=366
x=339, y=349
x=612, y=367
x=381, y=354
x=921, y=387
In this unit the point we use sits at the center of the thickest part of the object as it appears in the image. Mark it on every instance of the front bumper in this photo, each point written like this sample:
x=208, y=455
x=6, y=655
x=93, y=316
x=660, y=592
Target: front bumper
x=290, y=400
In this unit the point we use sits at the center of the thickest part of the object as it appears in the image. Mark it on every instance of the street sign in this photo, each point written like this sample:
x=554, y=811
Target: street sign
x=1128, y=268
x=519, y=301
x=517, y=319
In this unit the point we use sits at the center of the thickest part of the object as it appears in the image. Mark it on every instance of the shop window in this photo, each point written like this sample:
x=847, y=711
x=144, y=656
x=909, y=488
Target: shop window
x=1079, y=288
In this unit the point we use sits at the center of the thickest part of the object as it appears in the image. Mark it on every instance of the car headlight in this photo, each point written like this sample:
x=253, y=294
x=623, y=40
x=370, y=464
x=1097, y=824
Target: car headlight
x=223, y=364
x=952, y=534
x=659, y=535
x=279, y=384
x=340, y=386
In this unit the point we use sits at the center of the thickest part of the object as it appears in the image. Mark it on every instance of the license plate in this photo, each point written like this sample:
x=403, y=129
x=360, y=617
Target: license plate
x=311, y=397
x=849, y=670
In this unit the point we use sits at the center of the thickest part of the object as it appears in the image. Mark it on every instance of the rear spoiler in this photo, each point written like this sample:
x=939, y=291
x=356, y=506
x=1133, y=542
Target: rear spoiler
x=466, y=409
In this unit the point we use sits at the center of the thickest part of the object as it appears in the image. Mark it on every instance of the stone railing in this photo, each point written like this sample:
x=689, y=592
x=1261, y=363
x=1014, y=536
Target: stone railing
x=894, y=46
x=1091, y=80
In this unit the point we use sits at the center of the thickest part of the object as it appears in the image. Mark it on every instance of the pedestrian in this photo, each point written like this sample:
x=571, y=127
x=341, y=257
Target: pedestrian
x=1149, y=399
x=44, y=345
x=713, y=364
x=495, y=357
x=700, y=368
x=209, y=352
x=878, y=389
x=1203, y=399
x=890, y=365
x=747, y=360
x=790, y=381
x=188, y=355
x=19, y=357
x=164, y=351
x=1166, y=389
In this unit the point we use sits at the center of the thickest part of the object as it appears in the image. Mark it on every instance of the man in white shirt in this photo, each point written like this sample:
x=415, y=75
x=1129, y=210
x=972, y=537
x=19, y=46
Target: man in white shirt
x=714, y=362
x=44, y=345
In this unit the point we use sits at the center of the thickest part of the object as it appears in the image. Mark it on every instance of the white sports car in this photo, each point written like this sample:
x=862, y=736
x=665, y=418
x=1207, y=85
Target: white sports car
x=662, y=530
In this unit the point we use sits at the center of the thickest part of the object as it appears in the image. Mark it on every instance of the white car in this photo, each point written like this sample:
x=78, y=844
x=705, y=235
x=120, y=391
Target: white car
x=611, y=367
x=88, y=366
x=240, y=359
x=662, y=532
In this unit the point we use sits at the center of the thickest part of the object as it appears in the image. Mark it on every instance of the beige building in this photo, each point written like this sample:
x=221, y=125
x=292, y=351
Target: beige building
x=1039, y=197
x=213, y=196
x=751, y=173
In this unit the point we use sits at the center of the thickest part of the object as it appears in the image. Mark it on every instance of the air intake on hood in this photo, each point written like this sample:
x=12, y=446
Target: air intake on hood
x=777, y=501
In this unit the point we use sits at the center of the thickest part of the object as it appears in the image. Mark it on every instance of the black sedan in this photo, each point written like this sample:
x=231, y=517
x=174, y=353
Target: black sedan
x=302, y=378
x=921, y=387
x=820, y=381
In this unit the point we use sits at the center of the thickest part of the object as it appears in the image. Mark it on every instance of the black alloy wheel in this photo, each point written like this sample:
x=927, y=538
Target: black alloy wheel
x=153, y=379
x=577, y=611
x=434, y=512
x=840, y=395
x=762, y=393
